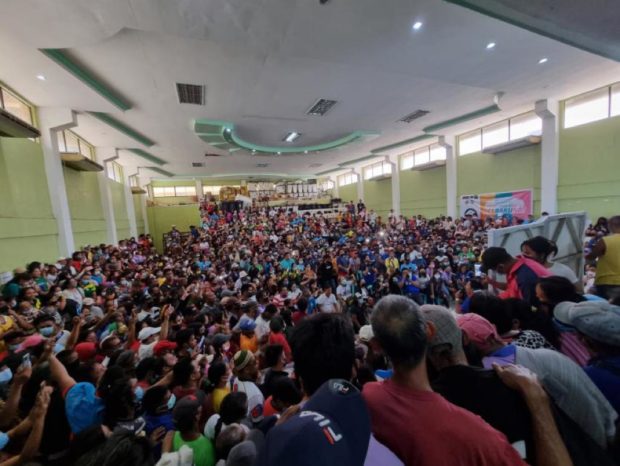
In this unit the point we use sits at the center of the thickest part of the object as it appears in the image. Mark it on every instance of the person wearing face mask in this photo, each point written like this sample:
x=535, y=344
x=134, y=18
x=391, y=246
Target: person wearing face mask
x=46, y=325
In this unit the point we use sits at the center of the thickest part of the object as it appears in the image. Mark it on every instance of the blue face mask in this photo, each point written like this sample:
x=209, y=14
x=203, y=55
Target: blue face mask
x=5, y=376
x=46, y=331
x=4, y=439
x=139, y=393
x=171, y=401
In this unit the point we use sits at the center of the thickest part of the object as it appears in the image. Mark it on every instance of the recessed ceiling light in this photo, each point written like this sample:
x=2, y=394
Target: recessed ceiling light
x=279, y=153
x=490, y=45
x=41, y=77
x=417, y=25
x=305, y=152
x=543, y=60
x=292, y=136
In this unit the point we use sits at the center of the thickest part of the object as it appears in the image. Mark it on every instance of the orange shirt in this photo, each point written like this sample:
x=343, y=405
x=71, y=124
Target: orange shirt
x=248, y=343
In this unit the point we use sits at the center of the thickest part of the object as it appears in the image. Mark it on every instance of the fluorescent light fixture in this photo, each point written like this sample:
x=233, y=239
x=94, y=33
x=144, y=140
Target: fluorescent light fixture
x=543, y=60
x=305, y=152
x=279, y=153
x=417, y=25
x=490, y=45
x=292, y=136
x=40, y=77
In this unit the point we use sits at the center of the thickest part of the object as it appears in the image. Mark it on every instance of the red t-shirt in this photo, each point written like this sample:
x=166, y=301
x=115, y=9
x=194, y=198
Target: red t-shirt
x=425, y=429
x=280, y=339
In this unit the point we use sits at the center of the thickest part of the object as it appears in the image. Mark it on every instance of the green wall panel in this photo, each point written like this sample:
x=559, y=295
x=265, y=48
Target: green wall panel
x=487, y=173
x=137, y=207
x=28, y=229
x=423, y=192
x=589, y=173
x=378, y=197
x=161, y=219
x=348, y=193
x=84, y=197
x=117, y=191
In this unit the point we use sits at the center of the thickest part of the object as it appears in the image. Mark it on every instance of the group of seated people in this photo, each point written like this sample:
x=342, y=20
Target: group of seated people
x=278, y=339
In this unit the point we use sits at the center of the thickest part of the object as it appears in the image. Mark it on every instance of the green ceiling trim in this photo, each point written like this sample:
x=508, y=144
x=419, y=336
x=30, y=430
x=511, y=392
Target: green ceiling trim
x=361, y=159
x=462, y=118
x=539, y=26
x=122, y=127
x=65, y=60
x=161, y=171
x=226, y=130
x=148, y=156
x=422, y=137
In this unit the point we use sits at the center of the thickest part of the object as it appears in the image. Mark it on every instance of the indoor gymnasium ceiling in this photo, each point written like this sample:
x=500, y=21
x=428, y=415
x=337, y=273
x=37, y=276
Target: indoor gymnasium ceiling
x=264, y=63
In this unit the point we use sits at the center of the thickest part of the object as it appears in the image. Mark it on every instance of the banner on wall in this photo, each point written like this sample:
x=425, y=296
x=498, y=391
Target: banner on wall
x=496, y=205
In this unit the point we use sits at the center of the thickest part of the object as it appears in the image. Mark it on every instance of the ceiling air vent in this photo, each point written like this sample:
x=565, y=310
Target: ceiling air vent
x=315, y=165
x=321, y=107
x=212, y=154
x=191, y=94
x=262, y=165
x=197, y=164
x=414, y=116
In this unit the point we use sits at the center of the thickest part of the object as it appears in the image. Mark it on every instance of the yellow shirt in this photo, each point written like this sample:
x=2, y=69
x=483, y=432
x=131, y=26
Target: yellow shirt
x=6, y=324
x=218, y=395
x=250, y=344
x=608, y=265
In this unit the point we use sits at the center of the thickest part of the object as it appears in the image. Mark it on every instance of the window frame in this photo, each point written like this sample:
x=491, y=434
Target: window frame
x=349, y=179
x=377, y=170
x=607, y=91
x=14, y=95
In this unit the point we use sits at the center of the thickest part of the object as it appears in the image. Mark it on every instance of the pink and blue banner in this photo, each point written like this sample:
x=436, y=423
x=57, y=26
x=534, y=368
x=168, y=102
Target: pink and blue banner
x=512, y=204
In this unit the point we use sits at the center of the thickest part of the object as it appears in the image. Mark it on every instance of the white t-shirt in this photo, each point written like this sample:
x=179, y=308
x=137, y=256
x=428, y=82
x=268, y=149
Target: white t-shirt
x=262, y=327
x=560, y=270
x=256, y=400
x=327, y=303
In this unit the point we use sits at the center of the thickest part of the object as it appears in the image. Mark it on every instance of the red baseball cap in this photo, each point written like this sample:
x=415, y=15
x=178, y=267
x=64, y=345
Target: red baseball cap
x=163, y=345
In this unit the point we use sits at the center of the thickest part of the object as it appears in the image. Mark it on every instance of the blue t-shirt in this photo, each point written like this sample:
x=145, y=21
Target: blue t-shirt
x=287, y=264
x=154, y=422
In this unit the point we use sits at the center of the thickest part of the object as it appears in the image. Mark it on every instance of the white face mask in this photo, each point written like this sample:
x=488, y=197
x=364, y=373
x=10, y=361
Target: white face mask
x=437, y=276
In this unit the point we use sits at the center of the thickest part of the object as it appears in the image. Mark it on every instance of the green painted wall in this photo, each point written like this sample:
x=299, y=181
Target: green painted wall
x=28, y=229
x=348, y=193
x=137, y=208
x=589, y=173
x=117, y=191
x=84, y=197
x=378, y=197
x=487, y=173
x=423, y=192
x=161, y=219
x=175, y=200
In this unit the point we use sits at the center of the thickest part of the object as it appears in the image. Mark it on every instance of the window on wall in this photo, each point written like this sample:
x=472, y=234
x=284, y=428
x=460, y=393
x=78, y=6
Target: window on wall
x=593, y=106
x=115, y=172
x=423, y=156
x=211, y=190
x=133, y=182
x=347, y=179
x=406, y=161
x=16, y=106
x=437, y=152
x=377, y=170
x=163, y=191
x=516, y=127
x=68, y=141
x=185, y=191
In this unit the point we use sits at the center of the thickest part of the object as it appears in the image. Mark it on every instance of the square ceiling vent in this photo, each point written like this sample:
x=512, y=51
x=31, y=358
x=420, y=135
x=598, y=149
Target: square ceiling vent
x=191, y=94
x=414, y=116
x=321, y=107
x=262, y=165
x=197, y=164
x=315, y=165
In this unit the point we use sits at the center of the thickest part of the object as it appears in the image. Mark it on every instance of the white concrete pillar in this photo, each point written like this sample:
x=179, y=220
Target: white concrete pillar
x=52, y=121
x=547, y=110
x=131, y=211
x=360, y=184
x=144, y=213
x=395, y=185
x=336, y=188
x=449, y=143
x=198, y=189
x=106, y=195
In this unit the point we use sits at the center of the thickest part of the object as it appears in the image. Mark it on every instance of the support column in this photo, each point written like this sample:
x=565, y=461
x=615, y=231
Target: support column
x=547, y=110
x=199, y=194
x=395, y=186
x=336, y=188
x=449, y=143
x=131, y=211
x=144, y=213
x=106, y=196
x=52, y=121
x=360, y=184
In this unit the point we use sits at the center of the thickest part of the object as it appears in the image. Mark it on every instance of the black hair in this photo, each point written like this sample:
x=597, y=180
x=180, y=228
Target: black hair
x=182, y=371
x=400, y=329
x=183, y=336
x=145, y=366
x=123, y=448
x=153, y=399
x=323, y=349
x=302, y=304
x=43, y=317
x=234, y=408
x=276, y=324
x=216, y=371
x=558, y=289
x=273, y=353
x=492, y=309
x=119, y=402
x=270, y=309
x=286, y=391
x=475, y=284
x=541, y=246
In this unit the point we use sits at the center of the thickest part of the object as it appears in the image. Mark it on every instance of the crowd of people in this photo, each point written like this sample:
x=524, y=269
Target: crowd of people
x=267, y=337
